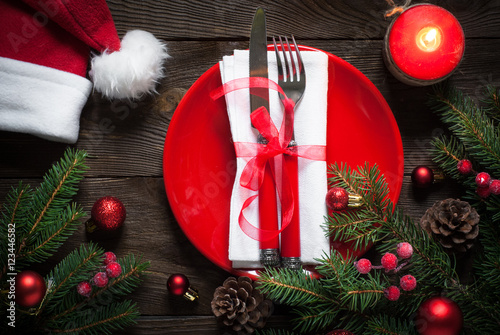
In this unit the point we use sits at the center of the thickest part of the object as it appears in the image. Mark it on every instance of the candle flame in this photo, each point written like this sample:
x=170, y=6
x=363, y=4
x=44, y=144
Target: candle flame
x=428, y=39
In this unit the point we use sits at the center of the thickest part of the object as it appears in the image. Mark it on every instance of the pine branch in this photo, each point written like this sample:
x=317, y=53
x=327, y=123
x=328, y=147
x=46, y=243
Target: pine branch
x=51, y=198
x=97, y=320
x=292, y=288
x=133, y=270
x=471, y=125
x=386, y=325
x=492, y=102
x=13, y=219
x=73, y=269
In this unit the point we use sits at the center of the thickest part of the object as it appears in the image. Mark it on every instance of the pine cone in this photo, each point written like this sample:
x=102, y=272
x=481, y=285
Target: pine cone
x=453, y=223
x=241, y=306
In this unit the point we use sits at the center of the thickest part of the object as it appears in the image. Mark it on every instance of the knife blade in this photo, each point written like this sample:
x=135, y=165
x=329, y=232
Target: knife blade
x=268, y=207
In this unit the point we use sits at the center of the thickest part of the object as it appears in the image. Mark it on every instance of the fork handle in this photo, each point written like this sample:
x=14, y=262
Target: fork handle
x=290, y=237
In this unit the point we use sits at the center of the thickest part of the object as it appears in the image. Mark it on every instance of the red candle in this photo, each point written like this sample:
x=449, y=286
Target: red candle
x=424, y=45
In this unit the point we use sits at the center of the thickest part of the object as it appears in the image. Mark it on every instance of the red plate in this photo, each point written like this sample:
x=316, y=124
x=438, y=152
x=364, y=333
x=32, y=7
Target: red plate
x=199, y=162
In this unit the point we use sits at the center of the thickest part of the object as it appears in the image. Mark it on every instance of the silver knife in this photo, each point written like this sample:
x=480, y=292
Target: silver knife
x=268, y=210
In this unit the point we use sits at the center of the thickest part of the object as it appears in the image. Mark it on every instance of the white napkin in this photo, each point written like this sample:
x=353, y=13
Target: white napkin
x=310, y=129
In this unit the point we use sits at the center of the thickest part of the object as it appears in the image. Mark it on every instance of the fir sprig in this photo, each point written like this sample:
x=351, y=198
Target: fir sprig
x=101, y=319
x=50, y=218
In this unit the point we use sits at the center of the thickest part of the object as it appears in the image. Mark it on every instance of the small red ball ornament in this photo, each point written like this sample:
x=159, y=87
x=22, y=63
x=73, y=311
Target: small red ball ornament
x=483, y=179
x=495, y=187
x=422, y=176
x=340, y=332
x=439, y=316
x=178, y=284
x=389, y=261
x=392, y=293
x=108, y=214
x=337, y=198
x=464, y=166
x=30, y=288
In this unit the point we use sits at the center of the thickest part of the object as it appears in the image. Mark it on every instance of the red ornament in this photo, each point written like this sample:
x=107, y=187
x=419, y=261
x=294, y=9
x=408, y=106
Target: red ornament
x=113, y=270
x=108, y=214
x=439, y=316
x=178, y=284
x=422, y=176
x=464, y=166
x=84, y=288
x=389, y=261
x=483, y=192
x=340, y=332
x=392, y=293
x=363, y=265
x=408, y=283
x=337, y=198
x=483, y=179
x=405, y=250
x=109, y=257
x=30, y=288
x=100, y=279
x=495, y=187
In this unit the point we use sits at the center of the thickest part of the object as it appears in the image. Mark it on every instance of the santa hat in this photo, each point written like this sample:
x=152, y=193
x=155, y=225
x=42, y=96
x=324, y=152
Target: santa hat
x=45, y=46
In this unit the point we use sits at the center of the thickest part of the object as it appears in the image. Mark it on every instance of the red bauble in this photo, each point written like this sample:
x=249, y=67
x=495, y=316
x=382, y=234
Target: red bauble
x=464, y=166
x=177, y=284
x=389, y=261
x=113, y=270
x=340, y=332
x=108, y=214
x=30, y=288
x=337, y=198
x=422, y=176
x=439, y=316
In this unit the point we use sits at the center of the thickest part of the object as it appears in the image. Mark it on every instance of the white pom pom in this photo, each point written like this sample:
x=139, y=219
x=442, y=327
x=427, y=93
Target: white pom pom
x=133, y=70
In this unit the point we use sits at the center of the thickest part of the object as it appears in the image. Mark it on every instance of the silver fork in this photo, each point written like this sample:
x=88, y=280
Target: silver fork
x=292, y=79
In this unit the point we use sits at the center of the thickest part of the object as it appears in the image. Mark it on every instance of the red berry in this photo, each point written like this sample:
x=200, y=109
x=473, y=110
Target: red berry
x=389, y=261
x=464, y=166
x=363, y=265
x=392, y=293
x=84, y=288
x=405, y=250
x=483, y=179
x=113, y=270
x=408, y=283
x=109, y=257
x=337, y=198
x=483, y=192
x=495, y=187
x=100, y=279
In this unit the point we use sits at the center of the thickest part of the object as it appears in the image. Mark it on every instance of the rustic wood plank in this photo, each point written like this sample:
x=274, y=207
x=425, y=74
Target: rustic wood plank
x=126, y=138
x=345, y=19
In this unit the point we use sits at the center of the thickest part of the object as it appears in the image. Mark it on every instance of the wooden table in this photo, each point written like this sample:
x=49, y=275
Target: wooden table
x=125, y=139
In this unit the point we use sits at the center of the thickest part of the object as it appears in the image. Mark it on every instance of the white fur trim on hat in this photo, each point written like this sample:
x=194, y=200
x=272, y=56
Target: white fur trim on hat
x=133, y=70
x=41, y=101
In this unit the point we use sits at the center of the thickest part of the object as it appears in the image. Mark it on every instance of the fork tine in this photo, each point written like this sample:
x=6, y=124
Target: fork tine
x=299, y=60
x=286, y=67
x=293, y=69
x=278, y=60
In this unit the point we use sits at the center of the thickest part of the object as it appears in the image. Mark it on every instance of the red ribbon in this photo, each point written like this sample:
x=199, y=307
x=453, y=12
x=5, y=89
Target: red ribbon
x=277, y=146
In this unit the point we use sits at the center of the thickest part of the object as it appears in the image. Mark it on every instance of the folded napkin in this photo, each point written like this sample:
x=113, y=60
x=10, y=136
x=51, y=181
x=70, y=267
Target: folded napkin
x=310, y=129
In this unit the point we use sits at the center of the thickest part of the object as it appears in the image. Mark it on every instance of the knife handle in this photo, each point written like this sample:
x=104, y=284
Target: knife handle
x=268, y=218
x=290, y=237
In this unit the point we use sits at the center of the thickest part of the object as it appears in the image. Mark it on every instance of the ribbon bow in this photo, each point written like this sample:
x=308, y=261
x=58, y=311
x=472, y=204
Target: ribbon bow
x=277, y=146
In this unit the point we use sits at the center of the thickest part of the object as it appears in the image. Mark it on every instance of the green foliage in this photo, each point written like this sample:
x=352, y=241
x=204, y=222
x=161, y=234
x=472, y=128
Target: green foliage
x=344, y=298
x=33, y=225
